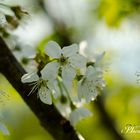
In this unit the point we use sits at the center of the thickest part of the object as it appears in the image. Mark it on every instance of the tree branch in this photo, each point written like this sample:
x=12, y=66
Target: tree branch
x=48, y=115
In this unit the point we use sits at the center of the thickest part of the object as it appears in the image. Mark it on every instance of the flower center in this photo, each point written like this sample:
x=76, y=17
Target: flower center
x=63, y=60
x=42, y=82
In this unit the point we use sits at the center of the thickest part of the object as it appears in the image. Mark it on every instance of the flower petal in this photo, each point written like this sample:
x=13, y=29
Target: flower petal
x=70, y=50
x=90, y=70
x=29, y=77
x=93, y=74
x=74, y=117
x=53, y=86
x=4, y=129
x=78, y=61
x=82, y=90
x=49, y=72
x=87, y=90
x=90, y=96
x=99, y=58
x=53, y=49
x=45, y=95
x=84, y=112
x=78, y=114
x=68, y=73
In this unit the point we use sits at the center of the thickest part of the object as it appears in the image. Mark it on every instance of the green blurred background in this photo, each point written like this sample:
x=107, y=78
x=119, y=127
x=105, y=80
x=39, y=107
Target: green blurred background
x=106, y=25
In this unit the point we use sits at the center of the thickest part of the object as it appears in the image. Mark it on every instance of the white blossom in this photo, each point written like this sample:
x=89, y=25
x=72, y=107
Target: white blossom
x=90, y=85
x=45, y=83
x=68, y=59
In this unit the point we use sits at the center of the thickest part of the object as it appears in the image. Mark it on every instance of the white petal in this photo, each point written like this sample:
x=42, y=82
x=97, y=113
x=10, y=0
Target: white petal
x=79, y=114
x=84, y=112
x=99, y=58
x=29, y=77
x=78, y=61
x=70, y=50
x=90, y=96
x=49, y=72
x=74, y=117
x=87, y=91
x=68, y=73
x=4, y=129
x=45, y=95
x=53, y=49
x=53, y=86
x=82, y=91
x=91, y=72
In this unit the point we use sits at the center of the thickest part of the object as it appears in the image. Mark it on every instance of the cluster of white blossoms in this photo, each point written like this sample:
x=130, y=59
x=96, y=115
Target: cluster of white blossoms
x=67, y=69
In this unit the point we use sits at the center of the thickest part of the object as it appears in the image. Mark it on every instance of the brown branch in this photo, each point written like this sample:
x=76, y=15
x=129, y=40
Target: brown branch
x=48, y=115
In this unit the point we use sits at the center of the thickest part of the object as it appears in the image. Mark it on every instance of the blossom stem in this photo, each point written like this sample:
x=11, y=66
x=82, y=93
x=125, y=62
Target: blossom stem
x=68, y=95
